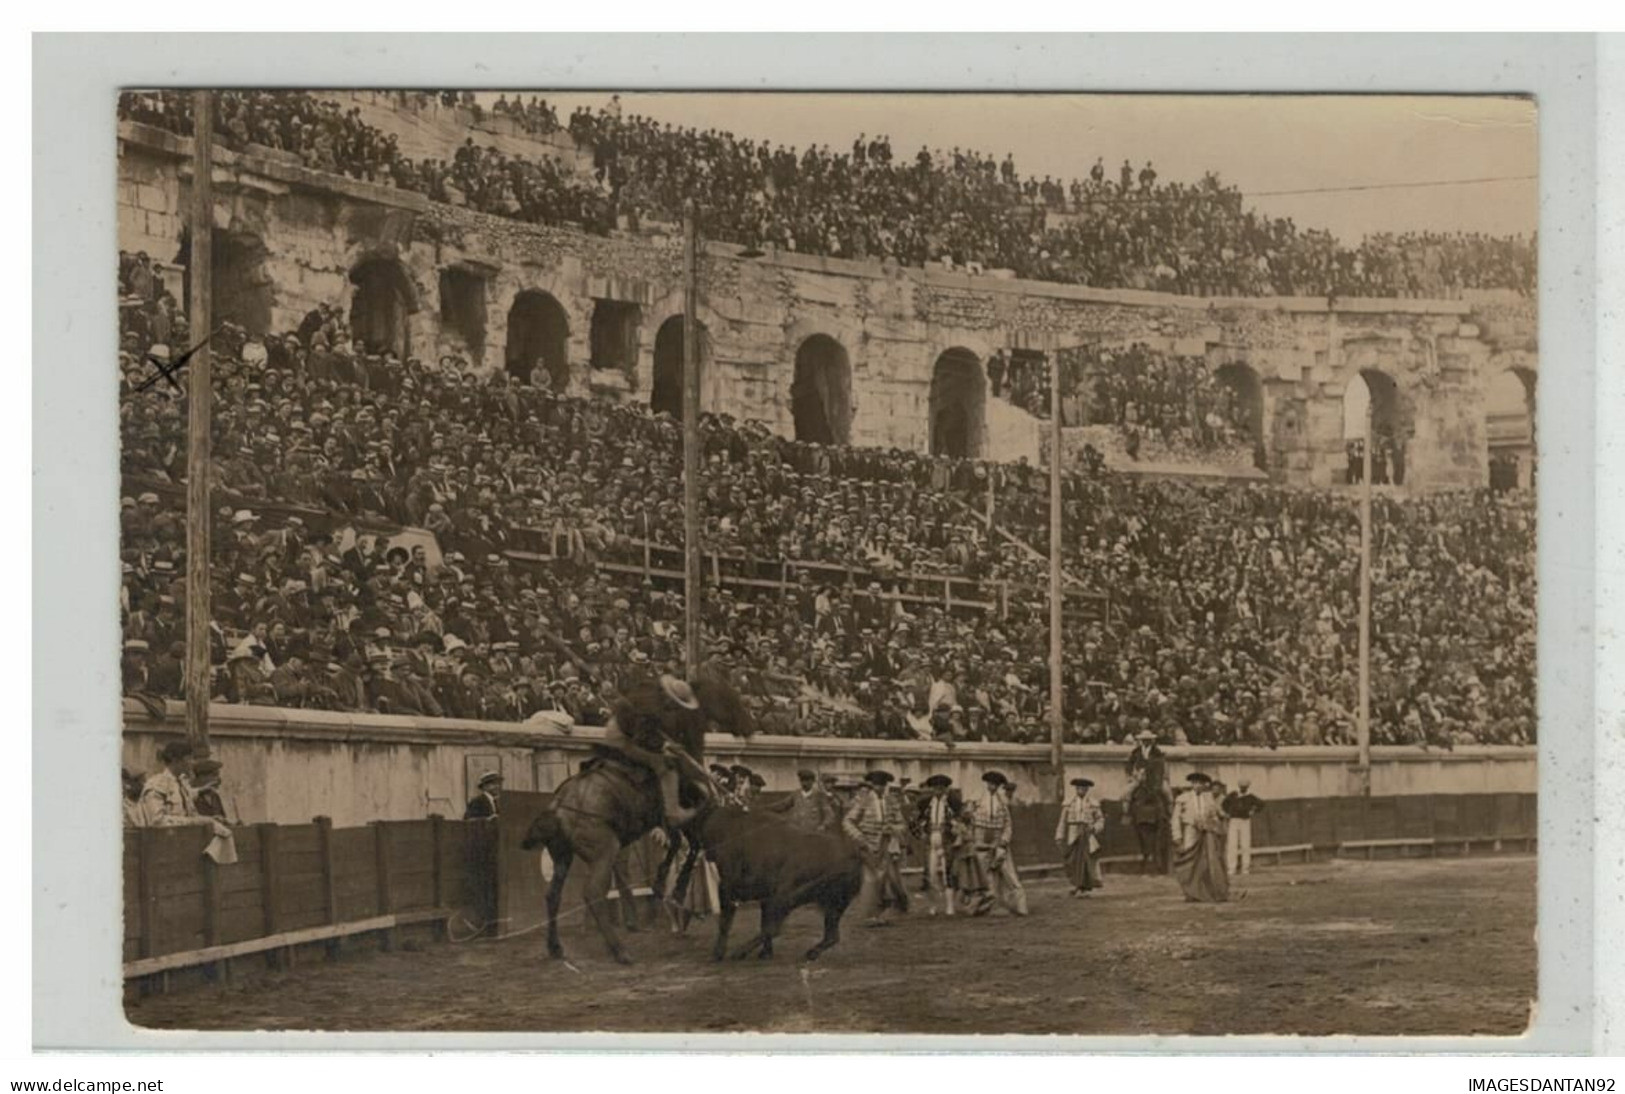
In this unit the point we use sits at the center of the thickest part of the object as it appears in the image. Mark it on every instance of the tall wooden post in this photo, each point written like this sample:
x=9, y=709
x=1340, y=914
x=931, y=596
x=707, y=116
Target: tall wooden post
x=198, y=398
x=692, y=560
x=1057, y=463
x=1364, y=719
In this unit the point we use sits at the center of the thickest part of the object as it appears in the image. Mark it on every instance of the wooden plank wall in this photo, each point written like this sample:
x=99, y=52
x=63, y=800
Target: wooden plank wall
x=287, y=877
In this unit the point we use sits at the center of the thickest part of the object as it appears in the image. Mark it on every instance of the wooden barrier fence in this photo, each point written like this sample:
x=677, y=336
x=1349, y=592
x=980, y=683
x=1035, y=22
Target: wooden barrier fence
x=297, y=885
x=292, y=885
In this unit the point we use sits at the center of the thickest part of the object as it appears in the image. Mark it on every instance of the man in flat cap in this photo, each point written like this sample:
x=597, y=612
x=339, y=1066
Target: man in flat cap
x=1077, y=834
x=809, y=808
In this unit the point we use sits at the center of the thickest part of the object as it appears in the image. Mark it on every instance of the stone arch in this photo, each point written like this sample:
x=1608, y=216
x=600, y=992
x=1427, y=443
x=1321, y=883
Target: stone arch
x=1375, y=391
x=380, y=305
x=240, y=286
x=958, y=404
x=666, y=392
x=1509, y=412
x=539, y=334
x=821, y=393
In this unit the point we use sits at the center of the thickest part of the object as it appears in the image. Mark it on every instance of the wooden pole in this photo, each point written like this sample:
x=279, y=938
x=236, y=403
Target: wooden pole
x=691, y=443
x=1056, y=465
x=198, y=397
x=1363, y=721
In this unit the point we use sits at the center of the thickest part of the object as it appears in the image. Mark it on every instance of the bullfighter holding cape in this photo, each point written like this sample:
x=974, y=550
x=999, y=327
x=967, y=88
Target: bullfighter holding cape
x=1077, y=833
x=1199, y=828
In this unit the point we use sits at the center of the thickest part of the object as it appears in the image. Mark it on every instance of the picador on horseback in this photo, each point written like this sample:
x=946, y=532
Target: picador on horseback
x=631, y=787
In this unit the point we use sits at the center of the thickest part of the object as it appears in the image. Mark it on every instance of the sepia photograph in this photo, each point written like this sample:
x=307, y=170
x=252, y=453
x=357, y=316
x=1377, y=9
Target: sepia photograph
x=810, y=563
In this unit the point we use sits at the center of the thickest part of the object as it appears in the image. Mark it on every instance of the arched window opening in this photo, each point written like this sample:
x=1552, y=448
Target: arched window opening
x=239, y=284
x=1510, y=427
x=821, y=393
x=666, y=393
x=958, y=405
x=380, y=305
x=539, y=335
x=615, y=326
x=462, y=309
x=1239, y=413
x=1373, y=397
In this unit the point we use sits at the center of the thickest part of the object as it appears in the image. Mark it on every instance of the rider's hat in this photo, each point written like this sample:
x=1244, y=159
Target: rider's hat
x=679, y=692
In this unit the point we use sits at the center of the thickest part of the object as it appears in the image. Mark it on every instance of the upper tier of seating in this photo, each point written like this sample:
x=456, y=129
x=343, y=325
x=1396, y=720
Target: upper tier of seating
x=963, y=207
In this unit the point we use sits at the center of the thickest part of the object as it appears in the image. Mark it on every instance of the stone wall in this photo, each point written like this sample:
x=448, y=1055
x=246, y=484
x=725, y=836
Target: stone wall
x=310, y=231
x=288, y=766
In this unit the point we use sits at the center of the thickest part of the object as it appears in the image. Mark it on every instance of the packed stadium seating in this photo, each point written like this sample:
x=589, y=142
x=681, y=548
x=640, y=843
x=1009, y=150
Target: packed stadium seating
x=962, y=207
x=855, y=591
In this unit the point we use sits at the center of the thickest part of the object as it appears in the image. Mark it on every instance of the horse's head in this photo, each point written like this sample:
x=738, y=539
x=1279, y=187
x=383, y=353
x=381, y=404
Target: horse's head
x=722, y=705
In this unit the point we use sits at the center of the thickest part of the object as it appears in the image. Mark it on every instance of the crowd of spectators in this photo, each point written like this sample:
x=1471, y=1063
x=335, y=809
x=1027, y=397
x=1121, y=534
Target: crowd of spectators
x=962, y=207
x=1187, y=412
x=1232, y=609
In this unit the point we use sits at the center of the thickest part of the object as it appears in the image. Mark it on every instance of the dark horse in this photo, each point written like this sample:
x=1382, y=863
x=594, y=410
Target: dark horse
x=613, y=801
x=1149, y=810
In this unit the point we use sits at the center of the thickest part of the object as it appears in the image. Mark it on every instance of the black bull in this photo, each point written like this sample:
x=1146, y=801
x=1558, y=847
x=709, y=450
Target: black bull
x=762, y=857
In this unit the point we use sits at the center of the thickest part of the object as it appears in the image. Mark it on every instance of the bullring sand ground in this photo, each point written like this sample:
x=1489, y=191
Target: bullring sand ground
x=1385, y=948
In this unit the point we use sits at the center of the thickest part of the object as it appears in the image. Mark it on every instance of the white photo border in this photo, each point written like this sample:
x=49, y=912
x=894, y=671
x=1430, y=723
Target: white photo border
x=77, y=903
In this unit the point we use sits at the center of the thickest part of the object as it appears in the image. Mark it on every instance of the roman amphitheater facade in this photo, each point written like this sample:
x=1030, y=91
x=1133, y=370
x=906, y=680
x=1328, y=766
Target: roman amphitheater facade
x=886, y=355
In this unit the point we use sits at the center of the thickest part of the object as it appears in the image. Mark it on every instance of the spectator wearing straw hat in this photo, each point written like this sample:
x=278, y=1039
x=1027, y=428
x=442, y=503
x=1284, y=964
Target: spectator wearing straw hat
x=483, y=806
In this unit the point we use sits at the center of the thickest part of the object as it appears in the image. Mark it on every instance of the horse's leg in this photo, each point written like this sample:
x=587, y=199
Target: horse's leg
x=686, y=873
x=625, y=898
x=685, y=878
x=563, y=854
x=600, y=873
x=725, y=922
x=663, y=875
x=663, y=872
